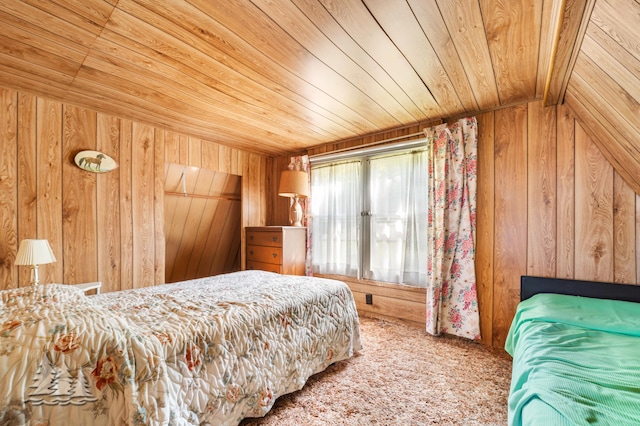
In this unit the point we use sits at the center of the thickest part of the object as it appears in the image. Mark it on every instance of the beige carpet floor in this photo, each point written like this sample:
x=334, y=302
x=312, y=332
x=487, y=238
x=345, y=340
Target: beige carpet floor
x=403, y=376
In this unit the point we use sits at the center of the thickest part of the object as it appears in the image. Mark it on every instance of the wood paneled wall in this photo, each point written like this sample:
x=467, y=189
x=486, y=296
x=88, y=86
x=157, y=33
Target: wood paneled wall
x=102, y=227
x=202, y=226
x=569, y=216
x=549, y=204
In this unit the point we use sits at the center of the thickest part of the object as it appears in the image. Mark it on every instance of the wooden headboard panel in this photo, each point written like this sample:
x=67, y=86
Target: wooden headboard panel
x=530, y=286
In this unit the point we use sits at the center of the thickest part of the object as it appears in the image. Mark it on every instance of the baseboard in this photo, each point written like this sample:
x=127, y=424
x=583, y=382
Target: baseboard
x=388, y=301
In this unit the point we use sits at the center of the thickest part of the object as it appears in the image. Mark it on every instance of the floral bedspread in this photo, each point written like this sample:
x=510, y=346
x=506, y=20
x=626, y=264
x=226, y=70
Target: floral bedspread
x=207, y=351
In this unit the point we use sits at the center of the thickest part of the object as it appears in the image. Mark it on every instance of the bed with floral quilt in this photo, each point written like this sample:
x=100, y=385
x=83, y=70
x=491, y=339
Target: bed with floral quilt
x=206, y=351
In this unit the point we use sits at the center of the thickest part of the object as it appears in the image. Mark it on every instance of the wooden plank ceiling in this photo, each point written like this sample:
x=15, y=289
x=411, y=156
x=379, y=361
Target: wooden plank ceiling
x=279, y=76
x=604, y=88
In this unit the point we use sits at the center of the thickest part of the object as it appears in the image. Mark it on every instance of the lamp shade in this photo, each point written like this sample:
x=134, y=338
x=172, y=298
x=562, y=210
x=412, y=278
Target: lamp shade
x=34, y=252
x=293, y=183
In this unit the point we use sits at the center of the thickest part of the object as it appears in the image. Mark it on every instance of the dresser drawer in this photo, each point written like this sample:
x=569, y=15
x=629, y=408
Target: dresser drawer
x=261, y=266
x=268, y=238
x=280, y=249
x=264, y=254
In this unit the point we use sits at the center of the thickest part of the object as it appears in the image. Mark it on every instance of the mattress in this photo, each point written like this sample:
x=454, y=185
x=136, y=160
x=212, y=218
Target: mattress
x=576, y=360
x=206, y=351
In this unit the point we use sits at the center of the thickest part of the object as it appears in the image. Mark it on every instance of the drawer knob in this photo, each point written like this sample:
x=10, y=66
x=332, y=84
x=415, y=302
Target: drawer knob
x=274, y=255
x=251, y=252
x=274, y=239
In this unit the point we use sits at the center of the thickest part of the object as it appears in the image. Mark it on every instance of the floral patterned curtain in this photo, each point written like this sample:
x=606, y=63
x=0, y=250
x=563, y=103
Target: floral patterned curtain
x=452, y=301
x=301, y=163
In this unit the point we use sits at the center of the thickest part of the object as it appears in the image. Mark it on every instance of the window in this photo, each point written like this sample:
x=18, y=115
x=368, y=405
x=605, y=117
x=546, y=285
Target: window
x=370, y=217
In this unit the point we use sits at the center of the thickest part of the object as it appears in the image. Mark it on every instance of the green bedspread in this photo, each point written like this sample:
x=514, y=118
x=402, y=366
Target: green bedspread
x=576, y=360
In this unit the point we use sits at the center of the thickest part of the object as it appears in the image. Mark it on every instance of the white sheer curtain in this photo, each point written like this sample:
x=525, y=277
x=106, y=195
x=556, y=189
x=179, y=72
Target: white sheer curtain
x=336, y=191
x=399, y=219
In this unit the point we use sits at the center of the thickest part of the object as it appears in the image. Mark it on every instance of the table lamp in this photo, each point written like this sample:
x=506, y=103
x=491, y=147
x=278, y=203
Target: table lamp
x=34, y=253
x=294, y=184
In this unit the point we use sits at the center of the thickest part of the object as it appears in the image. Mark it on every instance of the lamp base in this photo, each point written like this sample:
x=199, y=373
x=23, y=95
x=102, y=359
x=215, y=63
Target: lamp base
x=34, y=275
x=295, y=213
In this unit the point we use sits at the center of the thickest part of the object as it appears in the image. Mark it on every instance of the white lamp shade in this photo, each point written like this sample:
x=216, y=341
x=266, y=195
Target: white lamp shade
x=294, y=183
x=34, y=252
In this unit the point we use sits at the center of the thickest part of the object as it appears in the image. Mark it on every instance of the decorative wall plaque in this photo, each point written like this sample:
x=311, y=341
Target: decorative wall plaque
x=95, y=161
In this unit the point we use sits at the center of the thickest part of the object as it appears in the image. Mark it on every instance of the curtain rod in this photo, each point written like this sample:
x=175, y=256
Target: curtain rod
x=371, y=148
x=371, y=144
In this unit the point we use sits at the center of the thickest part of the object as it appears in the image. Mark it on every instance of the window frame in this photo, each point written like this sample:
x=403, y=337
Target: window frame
x=364, y=156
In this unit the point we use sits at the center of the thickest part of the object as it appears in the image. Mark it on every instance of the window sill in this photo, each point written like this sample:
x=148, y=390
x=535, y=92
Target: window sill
x=382, y=284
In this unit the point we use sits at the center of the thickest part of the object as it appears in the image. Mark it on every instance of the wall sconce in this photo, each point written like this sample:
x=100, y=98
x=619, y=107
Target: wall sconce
x=34, y=253
x=294, y=184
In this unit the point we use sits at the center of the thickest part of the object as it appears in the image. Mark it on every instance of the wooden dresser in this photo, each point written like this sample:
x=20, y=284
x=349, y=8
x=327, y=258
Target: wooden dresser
x=279, y=249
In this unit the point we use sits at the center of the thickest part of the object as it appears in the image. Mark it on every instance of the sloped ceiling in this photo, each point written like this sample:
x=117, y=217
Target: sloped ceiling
x=280, y=76
x=604, y=87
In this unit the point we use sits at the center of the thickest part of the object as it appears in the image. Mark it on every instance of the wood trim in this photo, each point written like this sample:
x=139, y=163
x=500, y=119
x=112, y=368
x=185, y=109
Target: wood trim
x=575, y=19
x=206, y=197
x=558, y=12
x=378, y=284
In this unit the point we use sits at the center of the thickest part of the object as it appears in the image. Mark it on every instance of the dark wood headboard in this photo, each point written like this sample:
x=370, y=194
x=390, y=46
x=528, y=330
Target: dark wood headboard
x=530, y=286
